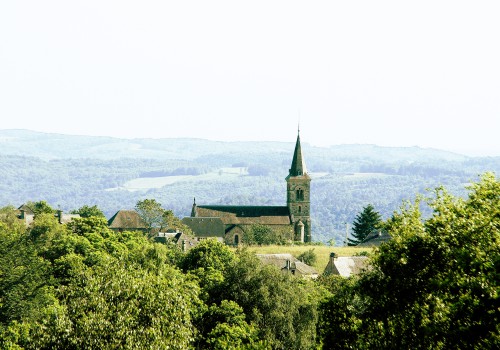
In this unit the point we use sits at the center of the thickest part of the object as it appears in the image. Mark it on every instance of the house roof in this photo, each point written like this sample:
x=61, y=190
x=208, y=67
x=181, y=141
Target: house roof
x=65, y=218
x=280, y=261
x=346, y=266
x=126, y=219
x=182, y=240
x=205, y=226
x=27, y=210
x=246, y=215
x=375, y=239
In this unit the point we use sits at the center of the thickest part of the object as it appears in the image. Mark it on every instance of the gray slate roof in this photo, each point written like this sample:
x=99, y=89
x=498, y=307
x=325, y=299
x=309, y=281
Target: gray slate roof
x=246, y=215
x=346, y=266
x=375, y=239
x=205, y=226
x=280, y=261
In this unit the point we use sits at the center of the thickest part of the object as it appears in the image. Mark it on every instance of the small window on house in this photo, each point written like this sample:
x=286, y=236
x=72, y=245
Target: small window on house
x=236, y=239
x=300, y=209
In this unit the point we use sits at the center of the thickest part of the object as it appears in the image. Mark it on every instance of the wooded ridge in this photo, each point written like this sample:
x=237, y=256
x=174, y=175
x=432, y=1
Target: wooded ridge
x=71, y=171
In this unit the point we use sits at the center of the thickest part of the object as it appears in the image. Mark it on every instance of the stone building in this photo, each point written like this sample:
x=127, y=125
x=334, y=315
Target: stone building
x=229, y=222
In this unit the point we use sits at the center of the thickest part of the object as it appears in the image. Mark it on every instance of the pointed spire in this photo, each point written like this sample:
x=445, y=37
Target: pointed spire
x=194, y=213
x=298, y=167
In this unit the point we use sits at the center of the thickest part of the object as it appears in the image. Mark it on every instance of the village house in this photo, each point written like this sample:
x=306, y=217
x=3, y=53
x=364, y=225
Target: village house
x=127, y=220
x=26, y=214
x=346, y=266
x=287, y=263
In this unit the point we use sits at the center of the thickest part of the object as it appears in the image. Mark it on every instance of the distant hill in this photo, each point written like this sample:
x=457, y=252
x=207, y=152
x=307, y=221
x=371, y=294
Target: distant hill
x=70, y=171
x=53, y=146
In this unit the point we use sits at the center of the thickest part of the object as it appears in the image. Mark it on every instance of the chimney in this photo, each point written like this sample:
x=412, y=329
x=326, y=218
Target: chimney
x=333, y=256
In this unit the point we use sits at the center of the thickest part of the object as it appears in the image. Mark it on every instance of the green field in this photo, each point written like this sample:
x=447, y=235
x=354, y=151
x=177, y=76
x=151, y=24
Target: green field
x=322, y=252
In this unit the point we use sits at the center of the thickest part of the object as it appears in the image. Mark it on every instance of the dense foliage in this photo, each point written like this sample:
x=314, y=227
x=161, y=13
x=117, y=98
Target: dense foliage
x=80, y=285
x=433, y=286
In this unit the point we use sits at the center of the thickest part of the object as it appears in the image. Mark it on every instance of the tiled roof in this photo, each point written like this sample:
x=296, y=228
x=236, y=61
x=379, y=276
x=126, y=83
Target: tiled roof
x=126, y=219
x=205, y=226
x=246, y=215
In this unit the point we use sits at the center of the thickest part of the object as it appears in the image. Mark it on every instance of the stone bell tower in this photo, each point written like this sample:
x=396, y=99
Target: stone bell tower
x=298, y=185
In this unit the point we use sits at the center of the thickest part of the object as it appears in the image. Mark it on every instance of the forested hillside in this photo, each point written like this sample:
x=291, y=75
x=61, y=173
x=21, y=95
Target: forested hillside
x=71, y=171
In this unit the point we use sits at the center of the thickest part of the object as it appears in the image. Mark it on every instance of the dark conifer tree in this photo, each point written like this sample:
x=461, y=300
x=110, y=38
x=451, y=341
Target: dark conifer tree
x=365, y=223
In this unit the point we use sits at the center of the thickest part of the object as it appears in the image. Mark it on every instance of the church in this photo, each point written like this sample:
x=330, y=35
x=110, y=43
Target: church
x=229, y=223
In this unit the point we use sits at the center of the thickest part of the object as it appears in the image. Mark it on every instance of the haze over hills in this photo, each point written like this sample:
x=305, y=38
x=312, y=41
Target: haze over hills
x=69, y=171
x=52, y=146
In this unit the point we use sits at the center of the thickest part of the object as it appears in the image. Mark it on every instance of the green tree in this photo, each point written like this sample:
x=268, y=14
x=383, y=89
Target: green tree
x=365, y=223
x=264, y=234
x=116, y=305
x=81, y=285
x=308, y=257
x=434, y=285
x=40, y=207
x=151, y=214
x=283, y=308
x=87, y=211
x=338, y=322
x=9, y=216
x=170, y=221
x=208, y=261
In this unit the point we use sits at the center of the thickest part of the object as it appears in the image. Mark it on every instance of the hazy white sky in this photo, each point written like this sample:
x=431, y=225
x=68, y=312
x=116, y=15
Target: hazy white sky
x=392, y=73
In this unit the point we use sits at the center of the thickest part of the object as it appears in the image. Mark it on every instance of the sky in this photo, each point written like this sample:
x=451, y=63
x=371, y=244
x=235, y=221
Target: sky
x=390, y=73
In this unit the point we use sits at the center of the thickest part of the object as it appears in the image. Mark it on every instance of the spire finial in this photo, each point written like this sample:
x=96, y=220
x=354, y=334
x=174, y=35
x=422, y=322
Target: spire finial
x=194, y=200
x=298, y=123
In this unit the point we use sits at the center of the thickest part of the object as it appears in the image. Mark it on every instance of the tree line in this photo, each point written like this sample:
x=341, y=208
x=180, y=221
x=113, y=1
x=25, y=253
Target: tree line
x=81, y=285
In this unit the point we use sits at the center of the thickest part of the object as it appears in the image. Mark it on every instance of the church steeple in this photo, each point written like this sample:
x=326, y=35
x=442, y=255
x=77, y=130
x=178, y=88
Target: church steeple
x=298, y=167
x=298, y=194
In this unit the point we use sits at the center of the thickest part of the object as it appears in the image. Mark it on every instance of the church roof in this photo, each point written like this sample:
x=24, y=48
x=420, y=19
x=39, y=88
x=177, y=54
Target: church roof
x=246, y=215
x=298, y=167
x=205, y=226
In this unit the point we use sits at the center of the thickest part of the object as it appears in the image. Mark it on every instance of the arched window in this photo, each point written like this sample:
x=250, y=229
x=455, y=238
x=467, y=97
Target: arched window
x=300, y=209
x=299, y=194
x=236, y=240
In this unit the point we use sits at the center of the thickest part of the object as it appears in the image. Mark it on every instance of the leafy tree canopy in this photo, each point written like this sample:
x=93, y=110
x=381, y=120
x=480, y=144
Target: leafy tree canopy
x=40, y=207
x=87, y=211
x=433, y=286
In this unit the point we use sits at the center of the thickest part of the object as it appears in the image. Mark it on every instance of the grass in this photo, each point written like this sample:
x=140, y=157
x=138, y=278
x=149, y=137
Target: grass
x=322, y=252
